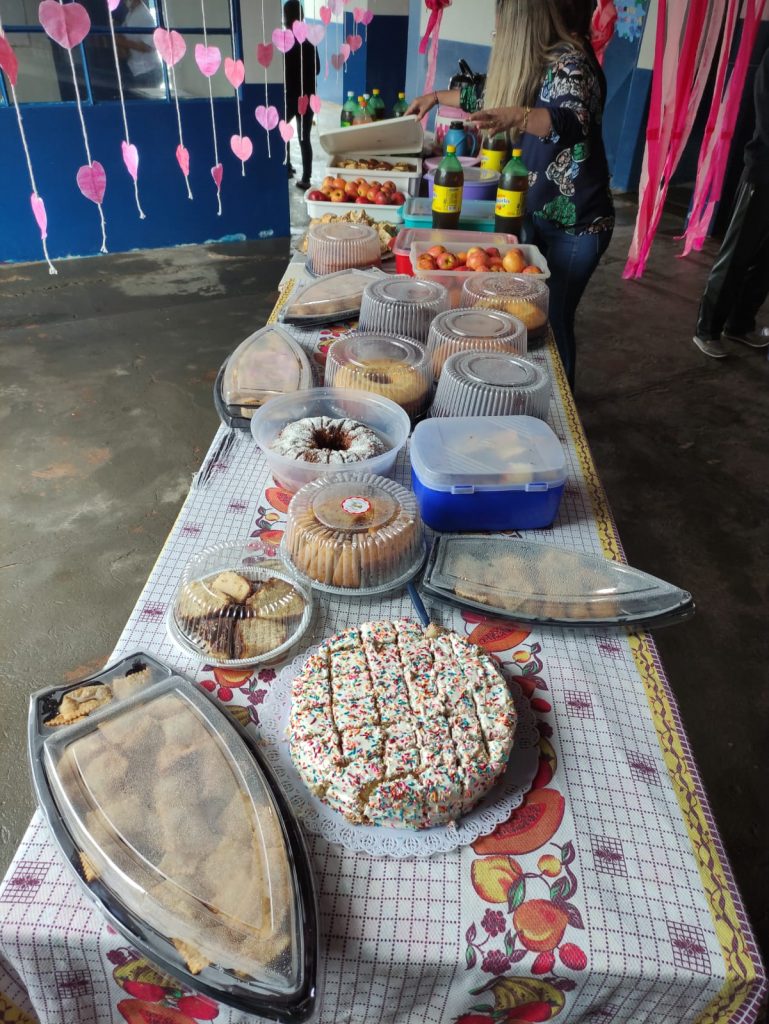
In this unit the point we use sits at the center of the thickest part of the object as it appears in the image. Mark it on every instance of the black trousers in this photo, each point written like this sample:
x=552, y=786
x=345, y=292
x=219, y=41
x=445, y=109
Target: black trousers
x=739, y=280
x=303, y=128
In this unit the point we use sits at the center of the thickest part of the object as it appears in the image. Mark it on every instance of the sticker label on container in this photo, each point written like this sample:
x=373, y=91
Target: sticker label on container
x=510, y=204
x=447, y=200
x=492, y=160
x=356, y=506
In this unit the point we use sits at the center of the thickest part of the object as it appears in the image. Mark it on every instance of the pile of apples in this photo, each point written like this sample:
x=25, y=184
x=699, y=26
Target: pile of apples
x=485, y=261
x=360, y=191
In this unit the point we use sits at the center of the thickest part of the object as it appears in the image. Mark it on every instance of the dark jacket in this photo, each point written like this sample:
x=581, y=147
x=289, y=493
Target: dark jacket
x=302, y=67
x=757, y=150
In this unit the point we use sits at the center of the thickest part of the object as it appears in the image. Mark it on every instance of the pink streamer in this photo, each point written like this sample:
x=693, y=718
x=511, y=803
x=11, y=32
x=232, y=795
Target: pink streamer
x=602, y=28
x=431, y=36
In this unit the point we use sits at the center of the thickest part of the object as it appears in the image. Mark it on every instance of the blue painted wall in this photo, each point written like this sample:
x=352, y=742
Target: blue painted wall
x=252, y=206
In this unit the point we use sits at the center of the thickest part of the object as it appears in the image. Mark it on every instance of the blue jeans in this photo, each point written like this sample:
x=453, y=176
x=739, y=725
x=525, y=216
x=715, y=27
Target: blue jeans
x=572, y=260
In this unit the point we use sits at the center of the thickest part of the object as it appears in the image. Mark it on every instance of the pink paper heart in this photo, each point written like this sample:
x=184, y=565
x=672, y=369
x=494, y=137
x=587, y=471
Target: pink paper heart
x=9, y=62
x=170, y=45
x=315, y=33
x=344, y=51
x=208, y=59
x=326, y=15
x=183, y=159
x=357, y=14
x=286, y=131
x=113, y=4
x=283, y=39
x=355, y=42
x=92, y=181
x=217, y=173
x=38, y=209
x=337, y=60
x=264, y=53
x=302, y=104
x=66, y=24
x=336, y=6
x=299, y=28
x=367, y=17
x=267, y=117
x=234, y=72
x=315, y=103
x=241, y=146
x=130, y=158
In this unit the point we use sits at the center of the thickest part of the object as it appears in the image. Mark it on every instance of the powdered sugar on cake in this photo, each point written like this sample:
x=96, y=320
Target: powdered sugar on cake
x=326, y=440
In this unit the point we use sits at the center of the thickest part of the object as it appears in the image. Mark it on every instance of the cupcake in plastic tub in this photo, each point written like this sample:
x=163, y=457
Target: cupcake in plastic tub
x=342, y=246
x=484, y=330
x=354, y=535
x=397, y=368
x=404, y=306
x=239, y=604
x=523, y=295
x=491, y=384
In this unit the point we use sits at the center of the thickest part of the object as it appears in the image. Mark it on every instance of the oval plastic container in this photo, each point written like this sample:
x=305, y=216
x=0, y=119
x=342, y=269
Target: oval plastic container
x=464, y=330
x=406, y=237
x=354, y=535
x=327, y=300
x=525, y=296
x=402, y=306
x=386, y=419
x=239, y=604
x=491, y=384
x=397, y=368
x=487, y=473
x=479, y=184
x=342, y=246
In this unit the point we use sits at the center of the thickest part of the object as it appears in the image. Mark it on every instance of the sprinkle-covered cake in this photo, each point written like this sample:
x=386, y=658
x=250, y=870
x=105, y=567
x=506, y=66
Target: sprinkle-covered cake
x=391, y=727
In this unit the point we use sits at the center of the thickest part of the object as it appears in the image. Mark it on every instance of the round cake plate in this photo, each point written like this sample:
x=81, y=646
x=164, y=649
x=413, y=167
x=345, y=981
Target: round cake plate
x=496, y=807
x=360, y=592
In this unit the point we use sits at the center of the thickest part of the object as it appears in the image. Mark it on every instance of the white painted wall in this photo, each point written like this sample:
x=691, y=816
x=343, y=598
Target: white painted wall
x=251, y=22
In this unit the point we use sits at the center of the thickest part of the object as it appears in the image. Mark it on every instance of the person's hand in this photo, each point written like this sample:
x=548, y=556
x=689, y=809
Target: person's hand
x=492, y=120
x=422, y=105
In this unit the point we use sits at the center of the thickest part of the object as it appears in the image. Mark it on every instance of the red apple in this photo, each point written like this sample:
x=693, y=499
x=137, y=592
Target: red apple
x=381, y=198
x=493, y=252
x=447, y=261
x=436, y=250
x=316, y=195
x=337, y=195
x=362, y=201
x=425, y=262
x=397, y=199
x=389, y=186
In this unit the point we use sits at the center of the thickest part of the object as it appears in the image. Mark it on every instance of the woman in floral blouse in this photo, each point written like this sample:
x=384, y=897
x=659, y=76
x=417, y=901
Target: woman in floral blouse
x=545, y=85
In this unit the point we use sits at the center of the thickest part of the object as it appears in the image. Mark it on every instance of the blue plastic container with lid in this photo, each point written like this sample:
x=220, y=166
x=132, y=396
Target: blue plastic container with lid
x=487, y=473
x=476, y=215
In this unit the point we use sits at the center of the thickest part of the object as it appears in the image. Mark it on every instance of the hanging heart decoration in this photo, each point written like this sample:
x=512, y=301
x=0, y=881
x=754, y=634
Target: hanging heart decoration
x=299, y=28
x=170, y=45
x=9, y=62
x=267, y=117
x=208, y=59
x=130, y=158
x=302, y=104
x=326, y=14
x=315, y=104
x=92, y=181
x=283, y=38
x=337, y=60
x=264, y=54
x=217, y=173
x=234, y=72
x=337, y=6
x=241, y=146
x=66, y=24
x=366, y=17
x=357, y=14
x=38, y=210
x=113, y=4
x=286, y=131
x=315, y=33
x=344, y=51
x=183, y=159
x=354, y=42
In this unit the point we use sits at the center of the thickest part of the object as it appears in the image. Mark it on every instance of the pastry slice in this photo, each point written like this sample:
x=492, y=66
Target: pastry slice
x=231, y=584
x=81, y=702
x=275, y=600
x=254, y=637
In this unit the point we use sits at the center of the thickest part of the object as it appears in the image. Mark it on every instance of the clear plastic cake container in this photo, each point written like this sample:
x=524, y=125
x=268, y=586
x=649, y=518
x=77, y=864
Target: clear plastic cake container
x=525, y=296
x=386, y=419
x=239, y=604
x=487, y=473
x=491, y=384
x=464, y=238
x=397, y=368
x=463, y=330
x=354, y=535
x=342, y=246
x=328, y=299
x=402, y=306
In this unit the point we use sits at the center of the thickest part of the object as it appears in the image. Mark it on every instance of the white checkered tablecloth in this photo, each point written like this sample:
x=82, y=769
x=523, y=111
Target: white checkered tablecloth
x=606, y=897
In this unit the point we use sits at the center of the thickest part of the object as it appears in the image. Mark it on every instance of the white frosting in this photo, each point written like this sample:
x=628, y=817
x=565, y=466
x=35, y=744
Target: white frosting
x=300, y=441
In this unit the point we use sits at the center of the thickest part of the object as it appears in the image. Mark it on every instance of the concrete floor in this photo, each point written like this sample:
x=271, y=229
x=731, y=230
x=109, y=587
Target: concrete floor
x=105, y=376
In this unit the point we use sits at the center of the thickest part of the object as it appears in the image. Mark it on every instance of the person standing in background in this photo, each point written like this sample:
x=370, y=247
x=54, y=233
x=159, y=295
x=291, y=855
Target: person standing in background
x=302, y=67
x=739, y=280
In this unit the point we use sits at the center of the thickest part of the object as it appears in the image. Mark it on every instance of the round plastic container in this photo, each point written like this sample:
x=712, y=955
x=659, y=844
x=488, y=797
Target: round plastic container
x=463, y=330
x=431, y=162
x=479, y=184
x=397, y=368
x=354, y=535
x=523, y=295
x=388, y=422
x=402, y=306
x=239, y=604
x=342, y=246
x=491, y=384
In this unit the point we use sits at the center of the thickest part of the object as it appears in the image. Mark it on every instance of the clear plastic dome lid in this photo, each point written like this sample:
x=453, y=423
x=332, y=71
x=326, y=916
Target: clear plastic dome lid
x=358, y=533
x=268, y=363
x=462, y=330
x=239, y=604
x=397, y=368
x=403, y=306
x=544, y=584
x=523, y=295
x=334, y=297
x=491, y=384
x=342, y=246
x=404, y=290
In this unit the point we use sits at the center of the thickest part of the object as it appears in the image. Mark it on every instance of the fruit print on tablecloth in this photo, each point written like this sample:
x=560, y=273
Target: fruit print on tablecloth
x=154, y=997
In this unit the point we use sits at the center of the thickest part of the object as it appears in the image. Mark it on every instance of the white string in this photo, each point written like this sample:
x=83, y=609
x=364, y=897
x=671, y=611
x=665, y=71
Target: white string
x=175, y=91
x=237, y=91
x=266, y=92
x=285, y=106
x=142, y=214
x=51, y=268
x=301, y=88
x=213, y=116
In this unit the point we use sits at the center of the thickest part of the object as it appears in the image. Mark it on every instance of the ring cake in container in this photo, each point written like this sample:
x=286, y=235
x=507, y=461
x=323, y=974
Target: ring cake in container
x=524, y=295
x=397, y=368
x=391, y=727
x=239, y=604
x=491, y=384
x=342, y=246
x=354, y=534
x=482, y=330
x=402, y=305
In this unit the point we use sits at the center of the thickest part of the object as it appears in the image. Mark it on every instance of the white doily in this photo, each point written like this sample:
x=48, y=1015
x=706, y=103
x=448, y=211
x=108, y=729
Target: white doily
x=376, y=841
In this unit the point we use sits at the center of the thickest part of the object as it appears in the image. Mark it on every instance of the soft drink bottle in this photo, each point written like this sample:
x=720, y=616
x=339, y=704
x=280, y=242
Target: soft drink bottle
x=447, y=191
x=511, y=196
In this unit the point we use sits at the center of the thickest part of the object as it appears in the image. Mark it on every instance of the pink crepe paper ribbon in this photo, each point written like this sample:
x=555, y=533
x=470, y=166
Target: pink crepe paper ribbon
x=602, y=27
x=431, y=36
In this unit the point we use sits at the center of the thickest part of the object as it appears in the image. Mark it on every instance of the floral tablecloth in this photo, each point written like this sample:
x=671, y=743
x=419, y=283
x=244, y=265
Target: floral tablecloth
x=605, y=897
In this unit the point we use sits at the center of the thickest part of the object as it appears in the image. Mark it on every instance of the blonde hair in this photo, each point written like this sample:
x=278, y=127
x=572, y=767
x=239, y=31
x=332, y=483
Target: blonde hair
x=527, y=33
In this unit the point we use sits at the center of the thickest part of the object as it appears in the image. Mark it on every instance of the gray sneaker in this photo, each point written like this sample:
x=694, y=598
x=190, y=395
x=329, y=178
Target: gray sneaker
x=712, y=347
x=755, y=339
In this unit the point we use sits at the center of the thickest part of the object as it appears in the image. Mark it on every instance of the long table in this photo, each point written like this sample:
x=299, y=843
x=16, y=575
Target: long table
x=607, y=895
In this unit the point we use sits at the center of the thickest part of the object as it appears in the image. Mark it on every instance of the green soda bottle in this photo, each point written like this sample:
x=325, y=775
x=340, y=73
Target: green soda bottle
x=400, y=106
x=511, y=195
x=376, y=106
x=349, y=110
x=447, y=191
